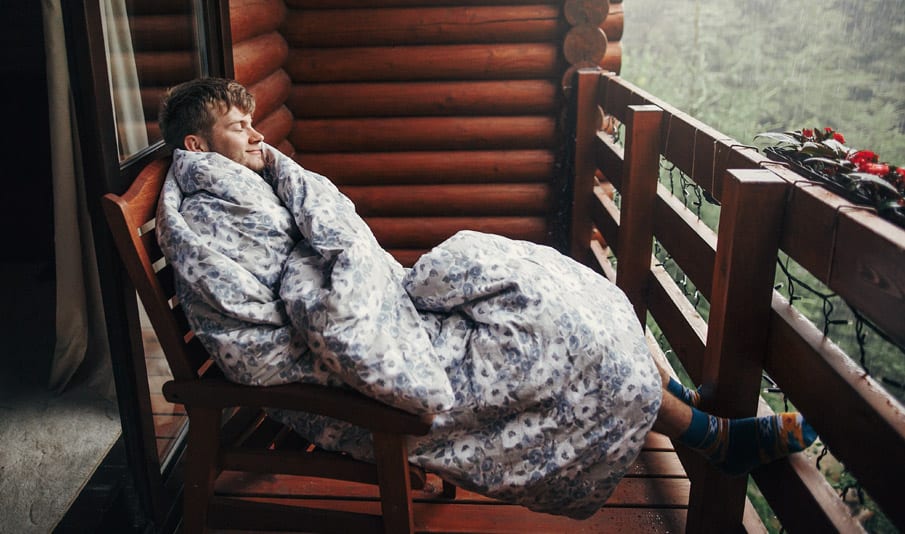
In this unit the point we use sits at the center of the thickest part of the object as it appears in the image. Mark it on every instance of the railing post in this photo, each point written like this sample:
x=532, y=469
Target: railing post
x=640, y=176
x=587, y=123
x=751, y=218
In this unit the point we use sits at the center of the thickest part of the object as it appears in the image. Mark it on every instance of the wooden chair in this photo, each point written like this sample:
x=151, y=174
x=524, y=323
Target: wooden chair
x=227, y=428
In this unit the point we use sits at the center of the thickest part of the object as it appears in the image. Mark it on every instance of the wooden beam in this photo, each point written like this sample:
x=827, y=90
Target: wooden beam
x=389, y=26
x=424, y=133
x=434, y=167
x=750, y=225
x=640, y=175
x=398, y=99
x=586, y=126
x=426, y=62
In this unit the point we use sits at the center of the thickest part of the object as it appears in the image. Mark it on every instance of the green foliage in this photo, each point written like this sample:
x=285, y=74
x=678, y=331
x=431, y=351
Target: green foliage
x=751, y=66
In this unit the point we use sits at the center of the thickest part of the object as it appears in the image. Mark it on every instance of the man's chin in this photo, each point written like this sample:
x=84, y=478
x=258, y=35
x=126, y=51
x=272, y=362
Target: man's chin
x=255, y=163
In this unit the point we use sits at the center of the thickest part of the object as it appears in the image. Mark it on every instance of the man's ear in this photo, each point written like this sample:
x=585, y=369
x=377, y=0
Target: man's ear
x=195, y=143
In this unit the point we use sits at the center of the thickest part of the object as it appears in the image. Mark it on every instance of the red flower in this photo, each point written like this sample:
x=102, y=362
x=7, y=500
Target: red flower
x=828, y=130
x=838, y=137
x=880, y=169
x=807, y=133
x=861, y=157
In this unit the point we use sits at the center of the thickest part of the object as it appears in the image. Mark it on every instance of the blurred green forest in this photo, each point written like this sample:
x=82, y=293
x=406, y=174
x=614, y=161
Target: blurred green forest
x=750, y=66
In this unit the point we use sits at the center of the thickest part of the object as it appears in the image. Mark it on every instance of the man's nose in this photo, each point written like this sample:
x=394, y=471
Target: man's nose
x=255, y=136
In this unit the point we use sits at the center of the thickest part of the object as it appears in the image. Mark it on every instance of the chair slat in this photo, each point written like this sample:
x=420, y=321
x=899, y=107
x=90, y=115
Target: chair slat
x=167, y=282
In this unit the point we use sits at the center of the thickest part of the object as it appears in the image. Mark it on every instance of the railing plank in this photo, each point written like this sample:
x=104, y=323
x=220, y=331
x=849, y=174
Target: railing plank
x=685, y=329
x=869, y=265
x=583, y=178
x=841, y=402
x=750, y=226
x=639, y=190
x=689, y=241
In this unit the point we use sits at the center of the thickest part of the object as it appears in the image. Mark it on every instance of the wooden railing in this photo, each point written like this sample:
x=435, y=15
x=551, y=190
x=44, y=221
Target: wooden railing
x=751, y=328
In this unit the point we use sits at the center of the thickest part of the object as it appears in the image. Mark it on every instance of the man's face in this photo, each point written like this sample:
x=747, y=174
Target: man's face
x=233, y=136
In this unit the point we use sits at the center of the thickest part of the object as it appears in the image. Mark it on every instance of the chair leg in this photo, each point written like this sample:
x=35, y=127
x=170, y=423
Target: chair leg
x=201, y=467
x=395, y=485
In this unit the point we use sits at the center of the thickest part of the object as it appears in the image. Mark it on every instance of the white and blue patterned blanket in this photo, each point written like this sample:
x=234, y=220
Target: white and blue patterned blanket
x=535, y=367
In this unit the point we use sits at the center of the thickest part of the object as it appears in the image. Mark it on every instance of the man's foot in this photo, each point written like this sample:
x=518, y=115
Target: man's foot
x=736, y=446
x=687, y=395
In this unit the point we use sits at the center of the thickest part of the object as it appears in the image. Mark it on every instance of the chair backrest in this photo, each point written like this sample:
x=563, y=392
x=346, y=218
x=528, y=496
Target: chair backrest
x=132, y=220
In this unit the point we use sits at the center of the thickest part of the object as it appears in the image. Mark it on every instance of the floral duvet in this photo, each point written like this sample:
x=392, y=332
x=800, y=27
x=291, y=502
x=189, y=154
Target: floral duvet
x=535, y=367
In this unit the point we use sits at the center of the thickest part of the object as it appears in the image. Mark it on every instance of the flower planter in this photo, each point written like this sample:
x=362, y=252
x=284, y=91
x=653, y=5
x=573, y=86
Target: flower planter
x=859, y=188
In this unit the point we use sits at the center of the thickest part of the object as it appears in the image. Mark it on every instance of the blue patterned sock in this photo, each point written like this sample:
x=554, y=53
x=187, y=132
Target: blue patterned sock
x=736, y=446
x=687, y=395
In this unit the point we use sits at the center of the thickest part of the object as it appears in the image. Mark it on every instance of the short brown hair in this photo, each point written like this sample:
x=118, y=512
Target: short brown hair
x=187, y=108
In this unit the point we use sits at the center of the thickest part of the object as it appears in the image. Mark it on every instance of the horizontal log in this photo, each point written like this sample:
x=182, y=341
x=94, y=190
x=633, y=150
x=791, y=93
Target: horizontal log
x=276, y=126
x=256, y=58
x=166, y=68
x=507, y=97
x=424, y=133
x=427, y=232
x=159, y=33
x=614, y=24
x=579, y=12
x=251, y=18
x=451, y=200
x=429, y=62
x=585, y=44
x=612, y=59
x=423, y=25
x=447, y=167
x=270, y=93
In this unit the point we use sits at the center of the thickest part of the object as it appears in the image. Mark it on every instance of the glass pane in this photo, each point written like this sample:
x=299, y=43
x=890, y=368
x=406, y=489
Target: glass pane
x=151, y=45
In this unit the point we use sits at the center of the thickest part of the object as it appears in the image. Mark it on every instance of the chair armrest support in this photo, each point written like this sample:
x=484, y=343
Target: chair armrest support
x=343, y=404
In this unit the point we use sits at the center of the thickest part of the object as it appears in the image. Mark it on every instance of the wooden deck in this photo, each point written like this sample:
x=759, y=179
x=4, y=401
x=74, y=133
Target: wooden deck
x=652, y=498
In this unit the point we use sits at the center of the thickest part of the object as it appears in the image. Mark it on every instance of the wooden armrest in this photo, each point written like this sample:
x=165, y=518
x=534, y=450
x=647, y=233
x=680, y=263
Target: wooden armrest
x=343, y=404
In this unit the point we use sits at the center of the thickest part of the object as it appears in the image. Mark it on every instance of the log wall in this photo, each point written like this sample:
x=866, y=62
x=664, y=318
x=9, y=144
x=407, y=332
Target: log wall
x=432, y=118
x=260, y=54
x=435, y=118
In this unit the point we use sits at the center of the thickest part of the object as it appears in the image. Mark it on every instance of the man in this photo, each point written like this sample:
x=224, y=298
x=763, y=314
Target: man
x=540, y=395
